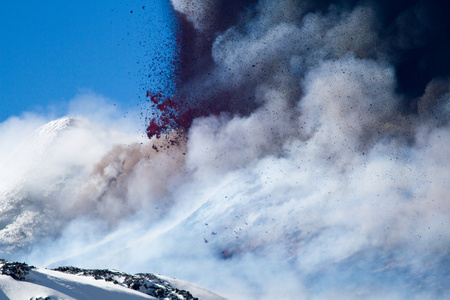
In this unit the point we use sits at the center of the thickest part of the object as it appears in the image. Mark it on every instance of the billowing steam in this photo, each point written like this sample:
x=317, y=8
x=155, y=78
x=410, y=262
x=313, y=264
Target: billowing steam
x=320, y=169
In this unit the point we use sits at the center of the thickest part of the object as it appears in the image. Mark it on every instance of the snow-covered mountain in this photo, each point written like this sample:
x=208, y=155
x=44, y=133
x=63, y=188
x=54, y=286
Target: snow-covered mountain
x=39, y=172
x=20, y=281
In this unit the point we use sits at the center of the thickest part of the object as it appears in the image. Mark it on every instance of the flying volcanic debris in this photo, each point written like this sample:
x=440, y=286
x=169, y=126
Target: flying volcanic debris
x=297, y=150
x=345, y=90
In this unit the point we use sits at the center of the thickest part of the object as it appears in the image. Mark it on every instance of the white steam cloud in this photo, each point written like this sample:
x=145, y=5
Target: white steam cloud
x=324, y=190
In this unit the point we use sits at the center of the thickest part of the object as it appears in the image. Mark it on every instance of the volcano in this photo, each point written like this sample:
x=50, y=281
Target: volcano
x=302, y=155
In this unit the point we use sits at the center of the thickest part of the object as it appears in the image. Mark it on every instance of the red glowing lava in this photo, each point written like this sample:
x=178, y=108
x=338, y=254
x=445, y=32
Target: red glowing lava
x=171, y=114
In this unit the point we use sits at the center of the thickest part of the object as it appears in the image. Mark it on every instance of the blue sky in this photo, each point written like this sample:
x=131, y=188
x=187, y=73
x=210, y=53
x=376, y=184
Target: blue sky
x=52, y=50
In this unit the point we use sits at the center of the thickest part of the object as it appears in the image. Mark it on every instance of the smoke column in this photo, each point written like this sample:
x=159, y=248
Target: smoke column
x=314, y=166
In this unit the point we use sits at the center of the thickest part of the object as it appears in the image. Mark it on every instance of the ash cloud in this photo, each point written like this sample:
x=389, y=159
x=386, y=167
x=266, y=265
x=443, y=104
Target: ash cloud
x=320, y=171
x=411, y=36
x=130, y=178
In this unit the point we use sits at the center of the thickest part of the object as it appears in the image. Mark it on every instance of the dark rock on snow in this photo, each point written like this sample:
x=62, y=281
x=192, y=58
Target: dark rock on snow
x=147, y=283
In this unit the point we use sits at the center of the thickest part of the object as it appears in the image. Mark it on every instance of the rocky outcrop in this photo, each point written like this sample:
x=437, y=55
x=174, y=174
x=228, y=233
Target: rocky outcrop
x=16, y=270
x=147, y=283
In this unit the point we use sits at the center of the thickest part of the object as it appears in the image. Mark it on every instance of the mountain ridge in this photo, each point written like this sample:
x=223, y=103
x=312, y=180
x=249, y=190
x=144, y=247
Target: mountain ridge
x=19, y=280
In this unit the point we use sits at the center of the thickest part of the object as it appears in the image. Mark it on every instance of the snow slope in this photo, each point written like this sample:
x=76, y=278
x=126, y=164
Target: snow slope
x=18, y=281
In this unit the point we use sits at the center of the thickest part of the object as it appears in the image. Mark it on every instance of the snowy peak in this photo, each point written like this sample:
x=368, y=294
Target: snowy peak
x=52, y=128
x=34, y=150
x=44, y=136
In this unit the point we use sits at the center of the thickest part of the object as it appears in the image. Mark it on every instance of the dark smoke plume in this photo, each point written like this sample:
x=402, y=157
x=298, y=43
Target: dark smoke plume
x=412, y=36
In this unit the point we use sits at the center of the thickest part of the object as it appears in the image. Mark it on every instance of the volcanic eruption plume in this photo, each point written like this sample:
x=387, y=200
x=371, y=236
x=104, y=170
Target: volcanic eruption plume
x=302, y=153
